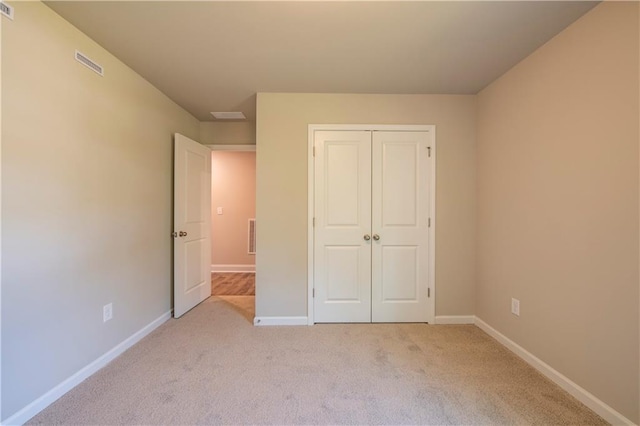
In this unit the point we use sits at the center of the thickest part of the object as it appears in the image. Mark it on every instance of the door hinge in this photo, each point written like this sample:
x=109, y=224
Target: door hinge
x=314, y=151
x=313, y=292
x=429, y=150
x=314, y=221
x=429, y=292
x=429, y=222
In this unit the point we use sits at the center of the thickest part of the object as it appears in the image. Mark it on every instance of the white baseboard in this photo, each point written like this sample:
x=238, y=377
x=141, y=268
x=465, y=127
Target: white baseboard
x=233, y=268
x=280, y=321
x=48, y=398
x=455, y=319
x=581, y=394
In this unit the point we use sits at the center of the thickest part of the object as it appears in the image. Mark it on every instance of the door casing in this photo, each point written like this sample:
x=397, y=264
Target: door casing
x=312, y=128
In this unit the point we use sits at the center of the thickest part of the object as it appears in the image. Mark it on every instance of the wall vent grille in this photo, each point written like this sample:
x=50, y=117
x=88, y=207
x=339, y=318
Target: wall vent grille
x=93, y=66
x=252, y=236
x=6, y=10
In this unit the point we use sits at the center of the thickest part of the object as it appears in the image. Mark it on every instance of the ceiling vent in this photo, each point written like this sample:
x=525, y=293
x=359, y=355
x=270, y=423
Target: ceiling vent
x=84, y=60
x=229, y=115
x=6, y=10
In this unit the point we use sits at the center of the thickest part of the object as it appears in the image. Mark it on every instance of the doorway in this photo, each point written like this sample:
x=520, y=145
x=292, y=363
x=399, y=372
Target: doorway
x=372, y=200
x=233, y=236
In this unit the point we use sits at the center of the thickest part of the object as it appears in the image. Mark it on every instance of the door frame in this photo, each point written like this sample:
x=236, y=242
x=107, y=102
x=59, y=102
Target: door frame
x=239, y=148
x=312, y=128
x=232, y=148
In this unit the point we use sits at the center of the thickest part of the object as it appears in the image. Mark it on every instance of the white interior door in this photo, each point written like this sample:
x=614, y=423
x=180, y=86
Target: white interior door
x=342, y=255
x=400, y=226
x=192, y=224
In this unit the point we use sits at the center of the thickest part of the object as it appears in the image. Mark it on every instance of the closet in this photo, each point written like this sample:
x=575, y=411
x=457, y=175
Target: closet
x=372, y=223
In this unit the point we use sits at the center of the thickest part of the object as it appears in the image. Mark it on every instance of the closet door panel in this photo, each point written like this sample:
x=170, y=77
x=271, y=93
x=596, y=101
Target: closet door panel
x=400, y=214
x=342, y=211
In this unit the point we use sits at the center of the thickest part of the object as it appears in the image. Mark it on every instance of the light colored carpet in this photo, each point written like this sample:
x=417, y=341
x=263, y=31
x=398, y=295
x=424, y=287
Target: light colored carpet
x=213, y=367
x=244, y=305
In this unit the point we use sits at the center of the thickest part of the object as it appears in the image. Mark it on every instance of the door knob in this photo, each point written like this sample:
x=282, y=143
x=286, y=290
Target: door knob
x=376, y=237
x=182, y=234
x=366, y=237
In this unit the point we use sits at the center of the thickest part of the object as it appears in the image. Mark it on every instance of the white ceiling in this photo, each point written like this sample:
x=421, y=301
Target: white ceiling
x=215, y=56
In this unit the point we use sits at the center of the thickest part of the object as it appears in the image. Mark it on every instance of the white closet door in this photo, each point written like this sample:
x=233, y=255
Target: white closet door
x=400, y=205
x=342, y=255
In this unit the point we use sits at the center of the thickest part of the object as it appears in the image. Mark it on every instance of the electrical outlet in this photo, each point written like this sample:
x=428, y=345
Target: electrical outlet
x=515, y=306
x=219, y=210
x=107, y=312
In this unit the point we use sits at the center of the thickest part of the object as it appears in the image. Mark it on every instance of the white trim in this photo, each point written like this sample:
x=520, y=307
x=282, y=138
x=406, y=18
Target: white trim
x=312, y=128
x=266, y=321
x=233, y=268
x=48, y=398
x=373, y=127
x=581, y=394
x=231, y=147
x=432, y=231
x=454, y=319
x=310, y=230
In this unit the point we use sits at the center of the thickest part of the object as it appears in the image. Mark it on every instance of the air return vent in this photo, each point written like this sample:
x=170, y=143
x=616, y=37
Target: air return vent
x=252, y=236
x=84, y=60
x=6, y=10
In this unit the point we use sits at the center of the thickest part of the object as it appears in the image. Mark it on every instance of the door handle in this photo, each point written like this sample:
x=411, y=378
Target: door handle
x=174, y=234
x=366, y=237
x=376, y=237
x=182, y=234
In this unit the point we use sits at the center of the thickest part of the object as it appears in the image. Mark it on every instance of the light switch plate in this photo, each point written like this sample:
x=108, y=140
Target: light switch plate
x=107, y=312
x=515, y=306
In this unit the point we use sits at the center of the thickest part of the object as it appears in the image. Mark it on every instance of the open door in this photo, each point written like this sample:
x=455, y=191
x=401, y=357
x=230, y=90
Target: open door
x=191, y=224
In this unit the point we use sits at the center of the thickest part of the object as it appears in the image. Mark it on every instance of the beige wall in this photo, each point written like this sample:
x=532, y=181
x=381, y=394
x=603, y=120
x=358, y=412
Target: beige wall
x=281, y=263
x=86, y=203
x=558, y=204
x=227, y=133
x=233, y=187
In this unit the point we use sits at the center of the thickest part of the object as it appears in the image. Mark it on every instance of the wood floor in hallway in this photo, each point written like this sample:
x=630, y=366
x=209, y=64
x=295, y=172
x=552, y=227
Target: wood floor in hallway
x=233, y=284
